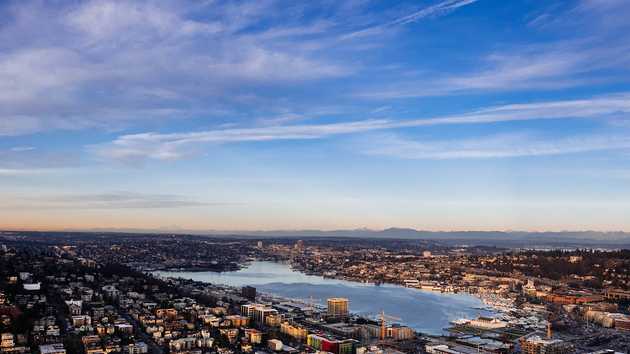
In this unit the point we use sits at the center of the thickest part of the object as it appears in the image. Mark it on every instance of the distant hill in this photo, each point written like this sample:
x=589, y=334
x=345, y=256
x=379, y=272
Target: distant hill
x=499, y=238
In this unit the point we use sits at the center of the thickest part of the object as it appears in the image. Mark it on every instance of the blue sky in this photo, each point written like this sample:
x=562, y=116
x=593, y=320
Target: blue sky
x=261, y=115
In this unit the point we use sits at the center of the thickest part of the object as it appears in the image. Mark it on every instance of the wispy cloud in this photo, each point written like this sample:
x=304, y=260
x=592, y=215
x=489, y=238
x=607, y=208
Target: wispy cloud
x=157, y=60
x=28, y=161
x=541, y=67
x=111, y=200
x=596, y=54
x=439, y=9
x=24, y=161
x=497, y=146
x=22, y=148
x=18, y=172
x=175, y=146
x=178, y=145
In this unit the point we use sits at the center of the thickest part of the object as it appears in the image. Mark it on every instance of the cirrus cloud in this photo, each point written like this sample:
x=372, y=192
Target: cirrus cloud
x=172, y=146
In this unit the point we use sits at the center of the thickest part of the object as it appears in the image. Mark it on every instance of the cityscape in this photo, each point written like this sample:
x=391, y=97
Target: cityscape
x=314, y=177
x=134, y=293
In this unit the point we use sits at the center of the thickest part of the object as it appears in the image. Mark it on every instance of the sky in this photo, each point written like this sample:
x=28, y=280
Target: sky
x=331, y=114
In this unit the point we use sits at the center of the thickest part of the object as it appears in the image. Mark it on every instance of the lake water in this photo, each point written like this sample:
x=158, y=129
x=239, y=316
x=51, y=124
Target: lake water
x=425, y=311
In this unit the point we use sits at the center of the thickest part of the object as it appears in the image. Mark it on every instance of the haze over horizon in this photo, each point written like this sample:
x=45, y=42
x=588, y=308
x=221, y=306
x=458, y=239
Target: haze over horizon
x=329, y=115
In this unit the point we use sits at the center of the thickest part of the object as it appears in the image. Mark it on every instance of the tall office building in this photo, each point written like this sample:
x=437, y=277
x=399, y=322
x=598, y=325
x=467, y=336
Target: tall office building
x=257, y=312
x=262, y=312
x=249, y=292
x=337, y=307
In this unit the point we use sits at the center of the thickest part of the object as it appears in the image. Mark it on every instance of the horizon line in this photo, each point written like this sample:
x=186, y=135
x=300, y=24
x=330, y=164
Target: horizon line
x=223, y=232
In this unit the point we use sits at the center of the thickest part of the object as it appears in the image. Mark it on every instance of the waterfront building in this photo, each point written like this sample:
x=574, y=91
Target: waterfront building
x=538, y=345
x=440, y=349
x=398, y=332
x=487, y=323
x=337, y=307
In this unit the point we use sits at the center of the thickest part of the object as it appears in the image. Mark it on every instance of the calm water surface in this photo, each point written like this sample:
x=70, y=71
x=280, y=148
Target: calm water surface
x=427, y=312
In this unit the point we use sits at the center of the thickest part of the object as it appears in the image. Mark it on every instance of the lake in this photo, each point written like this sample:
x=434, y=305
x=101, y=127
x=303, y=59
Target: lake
x=425, y=311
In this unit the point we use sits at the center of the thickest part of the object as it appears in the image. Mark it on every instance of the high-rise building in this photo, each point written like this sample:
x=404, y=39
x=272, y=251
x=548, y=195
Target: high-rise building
x=257, y=312
x=262, y=312
x=337, y=307
x=249, y=292
x=247, y=310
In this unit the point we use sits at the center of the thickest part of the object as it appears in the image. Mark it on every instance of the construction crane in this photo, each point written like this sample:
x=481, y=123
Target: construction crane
x=384, y=318
x=309, y=303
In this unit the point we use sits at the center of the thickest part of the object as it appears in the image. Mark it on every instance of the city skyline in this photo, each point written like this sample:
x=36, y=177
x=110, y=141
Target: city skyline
x=432, y=115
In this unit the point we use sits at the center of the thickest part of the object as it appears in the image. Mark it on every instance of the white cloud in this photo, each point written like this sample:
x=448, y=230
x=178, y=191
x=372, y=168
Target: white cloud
x=116, y=22
x=103, y=63
x=28, y=75
x=439, y=9
x=598, y=53
x=27, y=160
x=177, y=145
x=18, y=125
x=22, y=148
x=498, y=146
x=17, y=172
x=543, y=67
x=107, y=200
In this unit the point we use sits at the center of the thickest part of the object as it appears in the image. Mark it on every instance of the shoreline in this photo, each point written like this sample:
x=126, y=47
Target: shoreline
x=484, y=306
